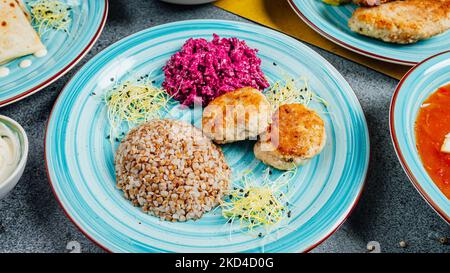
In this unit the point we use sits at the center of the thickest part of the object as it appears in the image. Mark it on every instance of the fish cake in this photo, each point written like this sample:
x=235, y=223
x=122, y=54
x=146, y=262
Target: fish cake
x=238, y=115
x=402, y=22
x=296, y=134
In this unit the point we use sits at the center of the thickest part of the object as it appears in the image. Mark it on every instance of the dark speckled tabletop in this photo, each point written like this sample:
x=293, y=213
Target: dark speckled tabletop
x=389, y=211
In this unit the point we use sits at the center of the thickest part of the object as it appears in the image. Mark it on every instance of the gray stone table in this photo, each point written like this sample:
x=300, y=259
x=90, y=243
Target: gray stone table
x=389, y=211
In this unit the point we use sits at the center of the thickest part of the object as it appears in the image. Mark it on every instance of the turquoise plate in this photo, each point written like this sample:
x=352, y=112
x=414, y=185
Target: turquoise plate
x=331, y=22
x=80, y=157
x=64, y=52
x=415, y=87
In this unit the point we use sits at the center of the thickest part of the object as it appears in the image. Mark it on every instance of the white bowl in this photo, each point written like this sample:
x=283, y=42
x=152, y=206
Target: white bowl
x=7, y=185
x=188, y=2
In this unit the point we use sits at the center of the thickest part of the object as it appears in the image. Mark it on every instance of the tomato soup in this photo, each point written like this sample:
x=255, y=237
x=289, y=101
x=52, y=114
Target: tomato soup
x=432, y=127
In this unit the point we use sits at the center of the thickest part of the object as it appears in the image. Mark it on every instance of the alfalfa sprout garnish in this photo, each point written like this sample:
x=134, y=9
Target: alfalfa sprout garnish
x=135, y=102
x=291, y=90
x=50, y=15
x=257, y=205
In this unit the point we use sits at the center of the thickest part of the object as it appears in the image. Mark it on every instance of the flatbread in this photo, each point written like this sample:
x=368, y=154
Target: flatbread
x=17, y=37
x=24, y=9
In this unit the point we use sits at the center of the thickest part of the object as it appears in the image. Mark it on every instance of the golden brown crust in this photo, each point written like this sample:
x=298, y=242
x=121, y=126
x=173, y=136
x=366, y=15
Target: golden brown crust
x=296, y=135
x=300, y=130
x=403, y=21
x=242, y=96
x=237, y=115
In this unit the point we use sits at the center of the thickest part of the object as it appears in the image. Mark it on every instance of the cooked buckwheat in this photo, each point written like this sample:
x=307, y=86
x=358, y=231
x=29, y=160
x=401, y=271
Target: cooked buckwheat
x=171, y=170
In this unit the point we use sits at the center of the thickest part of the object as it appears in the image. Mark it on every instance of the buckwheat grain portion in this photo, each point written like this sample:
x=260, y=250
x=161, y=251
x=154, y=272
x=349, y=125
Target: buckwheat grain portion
x=171, y=170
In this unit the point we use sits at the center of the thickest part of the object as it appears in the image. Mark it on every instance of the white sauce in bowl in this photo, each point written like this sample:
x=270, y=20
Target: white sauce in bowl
x=9, y=151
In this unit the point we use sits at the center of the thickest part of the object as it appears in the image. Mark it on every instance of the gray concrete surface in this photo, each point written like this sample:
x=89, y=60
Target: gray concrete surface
x=389, y=211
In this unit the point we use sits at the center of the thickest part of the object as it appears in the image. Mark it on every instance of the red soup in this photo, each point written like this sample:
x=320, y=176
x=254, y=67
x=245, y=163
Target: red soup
x=432, y=127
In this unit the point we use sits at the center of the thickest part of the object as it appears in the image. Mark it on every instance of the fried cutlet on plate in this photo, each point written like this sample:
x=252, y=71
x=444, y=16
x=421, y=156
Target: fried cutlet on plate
x=402, y=22
x=296, y=135
x=237, y=115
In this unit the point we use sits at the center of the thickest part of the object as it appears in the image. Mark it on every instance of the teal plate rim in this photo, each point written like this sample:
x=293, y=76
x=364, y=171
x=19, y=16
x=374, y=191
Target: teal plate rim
x=396, y=144
x=65, y=69
x=350, y=207
x=347, y=45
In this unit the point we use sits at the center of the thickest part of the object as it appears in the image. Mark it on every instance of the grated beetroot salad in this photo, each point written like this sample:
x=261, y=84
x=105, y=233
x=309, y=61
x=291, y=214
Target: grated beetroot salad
x=204, y=70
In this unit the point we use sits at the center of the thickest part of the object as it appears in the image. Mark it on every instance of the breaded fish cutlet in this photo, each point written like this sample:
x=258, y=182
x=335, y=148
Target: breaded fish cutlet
x=402, y=22
x=296, y=134
x=237, y=115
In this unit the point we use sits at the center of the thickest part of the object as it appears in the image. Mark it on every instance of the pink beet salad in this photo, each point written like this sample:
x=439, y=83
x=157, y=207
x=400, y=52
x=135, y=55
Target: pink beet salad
x=204, y=70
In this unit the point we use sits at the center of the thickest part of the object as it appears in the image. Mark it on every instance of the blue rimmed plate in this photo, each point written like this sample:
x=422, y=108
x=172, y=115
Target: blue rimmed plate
x=415, y=87
x=64, y=52
x=332, y=23
x=80, y=157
